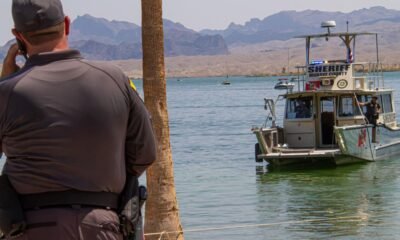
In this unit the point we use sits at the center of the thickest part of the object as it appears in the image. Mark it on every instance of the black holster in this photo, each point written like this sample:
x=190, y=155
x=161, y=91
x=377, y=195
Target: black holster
x=12, y=219
x=132, y=199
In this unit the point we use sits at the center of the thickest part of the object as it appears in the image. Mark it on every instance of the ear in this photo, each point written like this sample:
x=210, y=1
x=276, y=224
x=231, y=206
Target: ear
x=67, y=22
x=18, y=36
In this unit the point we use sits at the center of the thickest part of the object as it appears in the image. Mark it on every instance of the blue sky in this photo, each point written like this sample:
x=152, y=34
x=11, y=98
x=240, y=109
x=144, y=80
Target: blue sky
x=196, y=14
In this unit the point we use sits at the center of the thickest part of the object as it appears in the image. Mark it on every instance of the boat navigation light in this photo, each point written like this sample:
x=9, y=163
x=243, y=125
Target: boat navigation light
x=328, y=25
x=317, y=62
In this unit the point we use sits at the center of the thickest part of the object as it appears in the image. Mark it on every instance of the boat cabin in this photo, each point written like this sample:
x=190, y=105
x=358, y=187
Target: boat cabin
x=310, y=117
x=329, y=94
x=324, y=120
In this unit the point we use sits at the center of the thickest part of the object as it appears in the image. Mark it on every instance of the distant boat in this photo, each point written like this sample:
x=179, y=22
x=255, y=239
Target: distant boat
x=283, y=84
x=226, y=81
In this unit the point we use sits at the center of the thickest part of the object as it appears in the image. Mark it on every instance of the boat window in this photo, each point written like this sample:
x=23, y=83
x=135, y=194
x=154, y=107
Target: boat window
x=347, y=107
x=298, y=108
x=364, y=99
x=387, y=103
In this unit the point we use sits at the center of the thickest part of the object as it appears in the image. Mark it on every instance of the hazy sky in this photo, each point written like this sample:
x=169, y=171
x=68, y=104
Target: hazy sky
x=196, y=14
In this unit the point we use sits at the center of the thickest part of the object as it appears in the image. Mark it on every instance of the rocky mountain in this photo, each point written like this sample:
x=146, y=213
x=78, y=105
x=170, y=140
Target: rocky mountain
x=101, y=39
x=3, y=49
x=284, y=25
x=98, y=38
x=88, y=28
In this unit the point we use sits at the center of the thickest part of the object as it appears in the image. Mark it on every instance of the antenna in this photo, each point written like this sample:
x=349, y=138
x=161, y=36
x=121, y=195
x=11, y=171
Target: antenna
x=328, y=25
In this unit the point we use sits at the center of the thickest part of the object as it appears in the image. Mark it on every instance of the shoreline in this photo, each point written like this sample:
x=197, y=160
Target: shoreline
x=291, y=74
x=138, y=74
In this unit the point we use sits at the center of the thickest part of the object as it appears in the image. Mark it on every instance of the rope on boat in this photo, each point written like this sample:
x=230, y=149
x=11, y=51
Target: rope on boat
x=232, y=227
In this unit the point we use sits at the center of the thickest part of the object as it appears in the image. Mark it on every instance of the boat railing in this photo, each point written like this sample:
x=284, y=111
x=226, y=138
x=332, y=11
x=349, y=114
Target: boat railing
x=301, y=78
x=360, y=75
x=375, y=76
x=368, y=73
x=269, y=106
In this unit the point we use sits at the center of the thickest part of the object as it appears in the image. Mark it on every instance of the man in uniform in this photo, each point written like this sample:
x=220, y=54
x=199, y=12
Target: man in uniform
x=71, y=130
x=302, y=110
x=372, y=114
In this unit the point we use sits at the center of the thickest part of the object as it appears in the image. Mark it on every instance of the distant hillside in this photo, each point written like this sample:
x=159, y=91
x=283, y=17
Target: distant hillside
x=284, y=25
x=101, y=30
x=98, y=38
x=267, y=38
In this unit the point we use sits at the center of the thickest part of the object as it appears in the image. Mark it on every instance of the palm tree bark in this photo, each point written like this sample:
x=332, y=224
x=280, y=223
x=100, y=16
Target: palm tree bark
x=162, y=213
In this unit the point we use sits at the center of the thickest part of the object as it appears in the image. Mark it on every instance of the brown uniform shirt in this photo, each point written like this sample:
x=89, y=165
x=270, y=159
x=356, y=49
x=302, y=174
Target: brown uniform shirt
x=67, y=123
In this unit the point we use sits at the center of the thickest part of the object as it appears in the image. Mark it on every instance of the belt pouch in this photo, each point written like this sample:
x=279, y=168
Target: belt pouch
x=129, y=206
x=12, y=220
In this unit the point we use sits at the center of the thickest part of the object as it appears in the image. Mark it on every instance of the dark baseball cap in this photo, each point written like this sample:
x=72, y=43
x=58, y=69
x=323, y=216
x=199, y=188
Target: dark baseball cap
x=34, y=15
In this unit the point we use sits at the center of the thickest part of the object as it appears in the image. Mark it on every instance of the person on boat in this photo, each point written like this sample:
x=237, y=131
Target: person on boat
x=73, y=130
x=372, y=114
x=302, y=111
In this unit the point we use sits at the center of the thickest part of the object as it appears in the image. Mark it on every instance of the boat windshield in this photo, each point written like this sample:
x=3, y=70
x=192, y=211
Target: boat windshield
x=384, y=100
x=348, y=107
x=299, y=108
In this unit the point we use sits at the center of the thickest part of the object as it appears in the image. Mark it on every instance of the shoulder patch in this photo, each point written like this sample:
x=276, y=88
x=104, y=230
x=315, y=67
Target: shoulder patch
x=132, y=85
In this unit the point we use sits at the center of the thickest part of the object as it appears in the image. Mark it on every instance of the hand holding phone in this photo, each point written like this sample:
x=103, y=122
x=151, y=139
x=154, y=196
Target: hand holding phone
x=9, y=65
x=22, y=48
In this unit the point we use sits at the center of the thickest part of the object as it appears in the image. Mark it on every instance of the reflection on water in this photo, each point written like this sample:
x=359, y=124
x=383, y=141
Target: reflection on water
x=331, y=202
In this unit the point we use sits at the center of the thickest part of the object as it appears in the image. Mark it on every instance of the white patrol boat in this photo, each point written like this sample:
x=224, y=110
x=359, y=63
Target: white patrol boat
x=323, y=118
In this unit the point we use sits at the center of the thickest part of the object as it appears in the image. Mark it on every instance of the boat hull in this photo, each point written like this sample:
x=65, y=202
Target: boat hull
x=356, y=141
x=317, y=156
x=275, y=155
x=355, y=146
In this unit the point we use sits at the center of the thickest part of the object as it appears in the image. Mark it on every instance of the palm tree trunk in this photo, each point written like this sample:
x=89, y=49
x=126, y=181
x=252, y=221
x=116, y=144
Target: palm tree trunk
x=162, y=213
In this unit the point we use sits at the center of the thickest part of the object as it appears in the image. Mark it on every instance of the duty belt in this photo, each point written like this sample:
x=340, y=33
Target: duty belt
x=70, y=198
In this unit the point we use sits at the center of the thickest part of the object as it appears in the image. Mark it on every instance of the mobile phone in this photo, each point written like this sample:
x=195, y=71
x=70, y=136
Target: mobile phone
x=22, y=48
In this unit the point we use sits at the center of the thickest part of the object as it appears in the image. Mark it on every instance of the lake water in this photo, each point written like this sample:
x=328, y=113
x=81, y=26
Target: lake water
x=219, y=184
